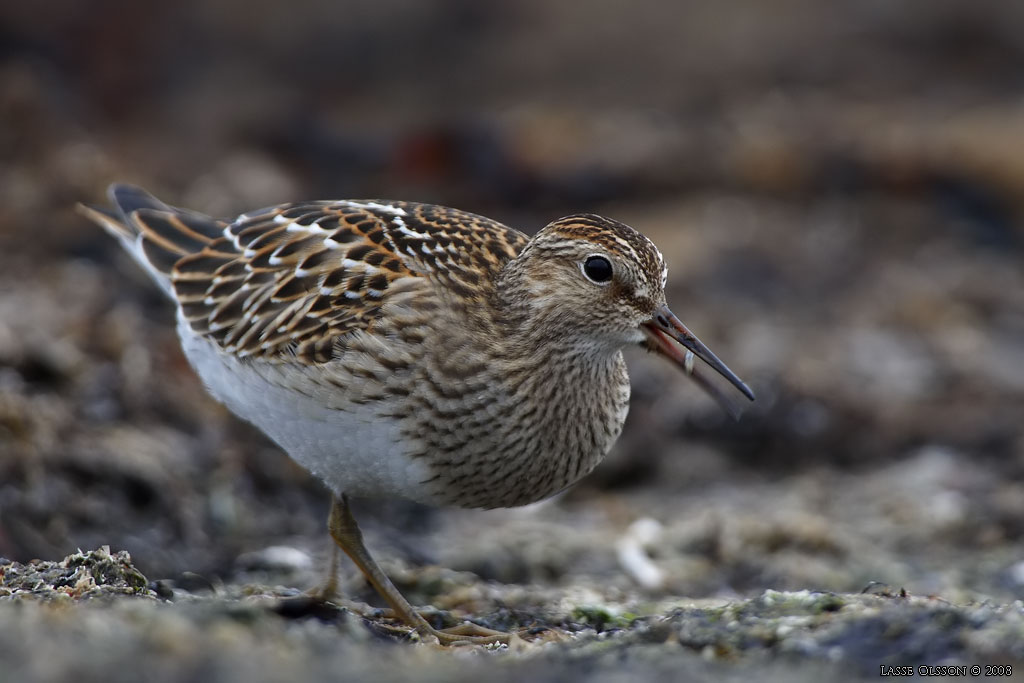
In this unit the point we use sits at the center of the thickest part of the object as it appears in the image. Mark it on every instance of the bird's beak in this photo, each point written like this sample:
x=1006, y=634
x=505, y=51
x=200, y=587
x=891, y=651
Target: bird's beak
x=664, y=329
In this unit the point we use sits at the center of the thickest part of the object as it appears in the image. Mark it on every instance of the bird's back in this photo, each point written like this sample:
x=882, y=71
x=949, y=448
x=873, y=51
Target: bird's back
x=288, y=282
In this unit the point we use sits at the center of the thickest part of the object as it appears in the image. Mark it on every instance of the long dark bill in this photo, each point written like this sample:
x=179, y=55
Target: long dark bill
x=664, y=329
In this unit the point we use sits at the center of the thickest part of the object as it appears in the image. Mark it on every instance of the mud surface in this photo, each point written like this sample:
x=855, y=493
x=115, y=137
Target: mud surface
x=837, y=191
x=256, y=633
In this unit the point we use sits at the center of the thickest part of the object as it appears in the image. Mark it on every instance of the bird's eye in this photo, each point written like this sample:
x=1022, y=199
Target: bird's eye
x=598, y=269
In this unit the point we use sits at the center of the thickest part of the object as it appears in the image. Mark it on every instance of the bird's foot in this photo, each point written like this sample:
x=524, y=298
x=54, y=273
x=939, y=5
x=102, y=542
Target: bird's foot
x=469, y=633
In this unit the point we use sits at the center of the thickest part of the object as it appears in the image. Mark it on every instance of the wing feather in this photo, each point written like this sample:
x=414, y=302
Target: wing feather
x=290, y=282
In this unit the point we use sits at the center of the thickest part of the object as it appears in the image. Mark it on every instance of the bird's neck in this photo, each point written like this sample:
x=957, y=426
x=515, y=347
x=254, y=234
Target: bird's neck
x=582, y=380
x=527, y=324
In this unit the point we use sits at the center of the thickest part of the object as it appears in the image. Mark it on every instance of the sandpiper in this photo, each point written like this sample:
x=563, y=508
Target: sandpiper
x=397, y=349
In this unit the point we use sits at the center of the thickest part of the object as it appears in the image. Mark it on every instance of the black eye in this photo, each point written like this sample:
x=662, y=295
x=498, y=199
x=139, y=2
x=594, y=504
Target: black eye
x=598, y=269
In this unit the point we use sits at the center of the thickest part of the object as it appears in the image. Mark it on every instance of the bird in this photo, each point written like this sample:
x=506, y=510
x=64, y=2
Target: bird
x=401, y=350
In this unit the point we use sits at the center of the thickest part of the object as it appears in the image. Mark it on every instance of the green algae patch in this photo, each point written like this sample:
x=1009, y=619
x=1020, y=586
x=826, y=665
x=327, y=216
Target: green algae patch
x=603, y=617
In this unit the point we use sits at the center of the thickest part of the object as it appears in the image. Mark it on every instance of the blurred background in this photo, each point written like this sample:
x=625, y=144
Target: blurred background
x=838, y=189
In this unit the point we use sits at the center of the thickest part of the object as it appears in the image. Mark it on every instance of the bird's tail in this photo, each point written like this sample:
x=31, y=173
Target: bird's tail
x=155, y=234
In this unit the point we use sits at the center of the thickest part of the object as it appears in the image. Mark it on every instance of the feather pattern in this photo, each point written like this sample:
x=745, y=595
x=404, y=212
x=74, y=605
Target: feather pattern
x=288, y=282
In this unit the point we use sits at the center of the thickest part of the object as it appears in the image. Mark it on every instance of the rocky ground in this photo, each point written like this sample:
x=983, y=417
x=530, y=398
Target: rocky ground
x=95, y=602
x=837, y=192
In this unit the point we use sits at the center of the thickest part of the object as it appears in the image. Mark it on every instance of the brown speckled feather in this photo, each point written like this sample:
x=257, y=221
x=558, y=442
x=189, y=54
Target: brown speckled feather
x=287, y=282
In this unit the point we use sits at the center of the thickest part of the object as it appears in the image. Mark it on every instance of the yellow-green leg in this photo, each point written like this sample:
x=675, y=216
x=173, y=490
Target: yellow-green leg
x=328, y=591
x=346, y=534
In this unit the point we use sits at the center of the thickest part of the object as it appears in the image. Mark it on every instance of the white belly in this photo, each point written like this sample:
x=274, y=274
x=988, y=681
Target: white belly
x=351, y=447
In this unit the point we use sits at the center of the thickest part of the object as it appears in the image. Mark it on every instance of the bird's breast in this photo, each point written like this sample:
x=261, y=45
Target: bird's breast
x=520, y=435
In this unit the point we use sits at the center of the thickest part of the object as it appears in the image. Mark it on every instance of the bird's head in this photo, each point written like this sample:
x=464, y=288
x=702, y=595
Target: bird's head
x=600, y=285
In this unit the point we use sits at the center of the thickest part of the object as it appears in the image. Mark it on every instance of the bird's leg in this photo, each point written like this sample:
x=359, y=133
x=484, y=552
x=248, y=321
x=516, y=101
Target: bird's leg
x=328, y=590
x=345, y=532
